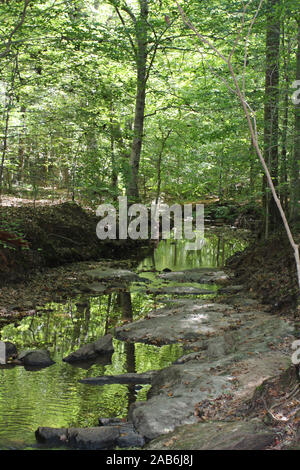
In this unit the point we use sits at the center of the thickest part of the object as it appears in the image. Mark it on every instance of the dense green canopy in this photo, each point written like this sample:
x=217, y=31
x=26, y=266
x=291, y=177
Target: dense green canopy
x=73, y=74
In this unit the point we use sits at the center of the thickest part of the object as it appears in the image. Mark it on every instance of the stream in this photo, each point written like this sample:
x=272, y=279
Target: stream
x=53, y=397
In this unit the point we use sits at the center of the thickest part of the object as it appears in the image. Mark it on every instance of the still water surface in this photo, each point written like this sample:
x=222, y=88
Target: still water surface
x=53, y=396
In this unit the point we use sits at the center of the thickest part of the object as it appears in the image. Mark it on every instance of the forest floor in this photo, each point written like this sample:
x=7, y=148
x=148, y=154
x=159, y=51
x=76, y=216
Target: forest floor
x=268, y=269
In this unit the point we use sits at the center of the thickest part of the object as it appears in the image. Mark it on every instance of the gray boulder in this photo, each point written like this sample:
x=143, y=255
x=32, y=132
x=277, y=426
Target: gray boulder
x=35, y=358
x=52, y=436
x=91, y=351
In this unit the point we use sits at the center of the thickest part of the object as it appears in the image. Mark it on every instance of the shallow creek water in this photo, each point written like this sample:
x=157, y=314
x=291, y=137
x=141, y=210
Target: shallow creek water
x=53, y=396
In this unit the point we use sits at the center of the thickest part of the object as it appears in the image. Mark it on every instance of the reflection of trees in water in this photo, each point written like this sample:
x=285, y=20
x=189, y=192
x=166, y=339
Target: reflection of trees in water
x=130, y=367
x=218, y=247
x=68, y=325
x=126, y=305
x=81, y=318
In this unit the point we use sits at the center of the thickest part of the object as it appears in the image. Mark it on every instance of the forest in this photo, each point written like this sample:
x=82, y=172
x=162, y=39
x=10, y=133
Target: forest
x=139, y=344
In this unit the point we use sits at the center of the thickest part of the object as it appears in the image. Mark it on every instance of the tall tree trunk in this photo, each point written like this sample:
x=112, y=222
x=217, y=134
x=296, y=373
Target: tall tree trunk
x=271, y=108
x=295, y=190
x=114, y=171
x=21, y=149
x=285, y=121
x=252, y=173
x=163, y=144
x=138, y=128
x=4, y=149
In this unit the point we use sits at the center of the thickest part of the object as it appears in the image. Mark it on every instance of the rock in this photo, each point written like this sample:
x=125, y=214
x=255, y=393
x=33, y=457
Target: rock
x=113, y=274
x=241, y=356
x=236, y=435
x=10, y=351
x=96, y=438
x=191, y=319
x=129, y=378
x=89, y=352
x=110, y=421
x=128, y=435
x=96, y=288
x=35, y=358
x=51, y=436
x=230, y=289
x=172, y=398
x=180, y=290
x=201, y=276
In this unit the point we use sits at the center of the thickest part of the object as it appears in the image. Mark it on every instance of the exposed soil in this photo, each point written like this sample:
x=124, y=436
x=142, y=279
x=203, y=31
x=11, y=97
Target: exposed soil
x=268, y=269
x=56, y=235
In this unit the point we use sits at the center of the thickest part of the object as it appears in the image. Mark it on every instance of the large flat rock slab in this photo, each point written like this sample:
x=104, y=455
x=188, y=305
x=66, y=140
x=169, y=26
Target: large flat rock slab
x=189, y=320
x=236, y=435
x=193, y=321
x=233, y=363
x=172, y=400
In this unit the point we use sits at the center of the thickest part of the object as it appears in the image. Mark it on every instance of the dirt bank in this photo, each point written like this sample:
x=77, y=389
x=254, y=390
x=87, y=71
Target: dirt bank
x=58, y=234
x=268, y=269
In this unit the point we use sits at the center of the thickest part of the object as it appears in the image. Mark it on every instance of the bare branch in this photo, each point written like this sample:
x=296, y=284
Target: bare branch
x=237, y=39
x=200, y=36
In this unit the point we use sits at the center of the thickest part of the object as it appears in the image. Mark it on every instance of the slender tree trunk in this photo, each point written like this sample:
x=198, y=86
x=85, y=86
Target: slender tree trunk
x=163, y=144
x=271, y=109
x=285, y=121
x=4, y=149
x=114, y=171
x=252, y=172
x=283, y=166
x=295, y=189
x=21, y=149
x=138, y=128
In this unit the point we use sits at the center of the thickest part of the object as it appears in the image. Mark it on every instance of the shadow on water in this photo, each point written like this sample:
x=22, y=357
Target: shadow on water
x=53, y=396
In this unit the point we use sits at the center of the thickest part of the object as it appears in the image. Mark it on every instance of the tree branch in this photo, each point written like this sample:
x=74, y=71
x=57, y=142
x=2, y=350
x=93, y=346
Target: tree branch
x=128, y=34
x=16, y=28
